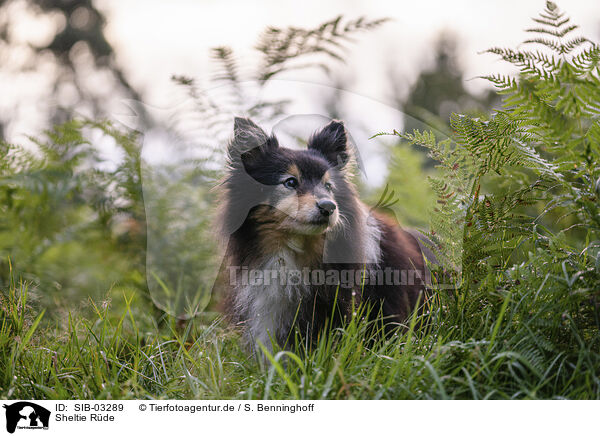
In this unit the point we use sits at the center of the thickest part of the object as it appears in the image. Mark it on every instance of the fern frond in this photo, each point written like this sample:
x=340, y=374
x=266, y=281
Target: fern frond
x=574, y=43
x=280, y=46
x=547, y=42
x=556, y=33
x=501, y=82
x=551, y=22
x=229, y=69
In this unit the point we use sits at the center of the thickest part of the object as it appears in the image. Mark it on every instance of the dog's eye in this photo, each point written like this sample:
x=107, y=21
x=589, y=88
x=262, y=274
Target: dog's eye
x=291, y=183
x=329, y=186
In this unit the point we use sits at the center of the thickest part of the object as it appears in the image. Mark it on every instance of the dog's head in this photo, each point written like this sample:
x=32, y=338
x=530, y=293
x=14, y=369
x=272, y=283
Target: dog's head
x=286, y=190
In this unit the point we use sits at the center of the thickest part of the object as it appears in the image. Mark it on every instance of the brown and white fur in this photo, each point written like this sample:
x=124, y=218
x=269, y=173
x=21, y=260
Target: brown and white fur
x=297, y=210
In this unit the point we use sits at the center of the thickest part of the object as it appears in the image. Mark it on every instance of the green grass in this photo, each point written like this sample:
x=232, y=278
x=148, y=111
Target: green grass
x=492, y=345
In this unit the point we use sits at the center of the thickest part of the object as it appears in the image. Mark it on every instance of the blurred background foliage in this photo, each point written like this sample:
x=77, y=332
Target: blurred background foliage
x=76, y=59
x=67, y=226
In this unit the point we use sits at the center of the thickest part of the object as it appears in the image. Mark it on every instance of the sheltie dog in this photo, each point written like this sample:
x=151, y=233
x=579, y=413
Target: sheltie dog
x=301, y=250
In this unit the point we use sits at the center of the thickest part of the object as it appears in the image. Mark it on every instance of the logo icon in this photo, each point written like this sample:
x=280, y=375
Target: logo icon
x=26, y=415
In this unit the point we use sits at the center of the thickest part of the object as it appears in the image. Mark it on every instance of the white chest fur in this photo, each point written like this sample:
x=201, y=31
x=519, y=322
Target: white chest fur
x=271, y=302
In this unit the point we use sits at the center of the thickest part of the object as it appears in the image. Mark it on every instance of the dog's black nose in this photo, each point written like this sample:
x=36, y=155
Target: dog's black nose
x=326, y=207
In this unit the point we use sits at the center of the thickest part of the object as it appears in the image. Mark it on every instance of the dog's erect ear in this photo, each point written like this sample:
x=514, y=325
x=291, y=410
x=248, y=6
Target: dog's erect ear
x=248, y=137
x=332, y=142
x=245, y=125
